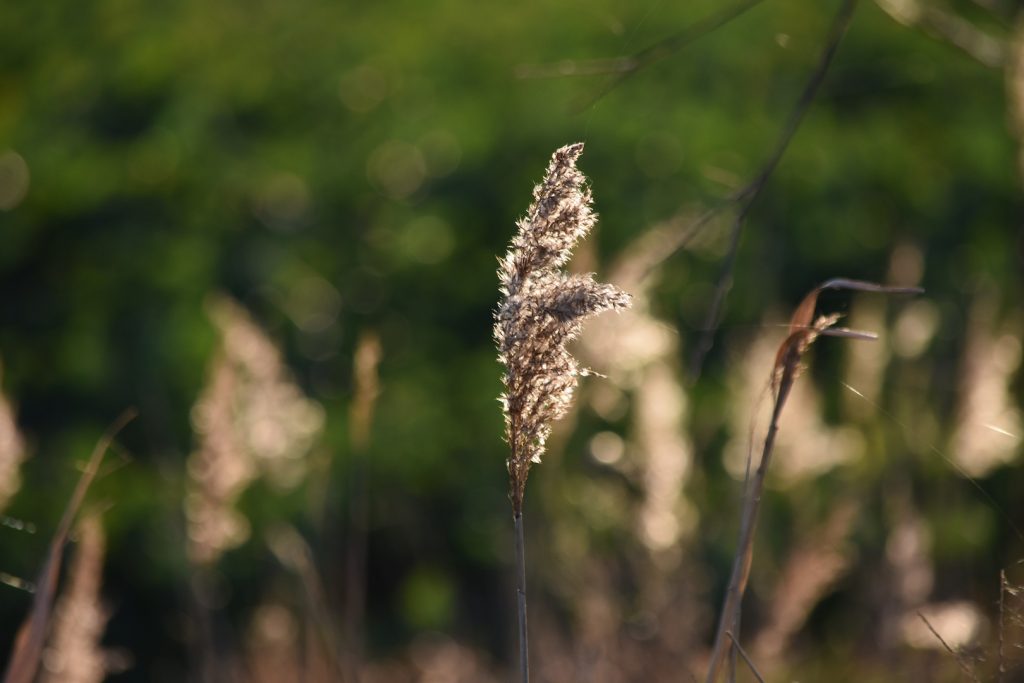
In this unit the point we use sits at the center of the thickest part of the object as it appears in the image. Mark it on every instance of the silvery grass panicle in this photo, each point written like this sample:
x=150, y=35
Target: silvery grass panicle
x=542, y=308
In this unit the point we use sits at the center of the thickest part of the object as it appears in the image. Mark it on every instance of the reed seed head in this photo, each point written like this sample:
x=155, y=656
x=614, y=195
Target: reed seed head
x=541, y=309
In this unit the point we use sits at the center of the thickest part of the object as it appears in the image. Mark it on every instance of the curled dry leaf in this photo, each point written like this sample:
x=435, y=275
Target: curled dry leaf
x=804, y=329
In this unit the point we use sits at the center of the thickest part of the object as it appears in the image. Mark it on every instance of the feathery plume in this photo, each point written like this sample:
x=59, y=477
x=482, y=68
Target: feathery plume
x=542, y=309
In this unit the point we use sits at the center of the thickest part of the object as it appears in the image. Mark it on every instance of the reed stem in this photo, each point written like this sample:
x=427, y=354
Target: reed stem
x=524, y=648
x=728, y=617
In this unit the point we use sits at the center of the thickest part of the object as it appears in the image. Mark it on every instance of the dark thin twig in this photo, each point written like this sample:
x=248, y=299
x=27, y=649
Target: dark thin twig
x=739, y=648
x=524, y=647
x=956, y=656
x=622, y=68
x=625, y=67
x=748, y=195
x=683, y=236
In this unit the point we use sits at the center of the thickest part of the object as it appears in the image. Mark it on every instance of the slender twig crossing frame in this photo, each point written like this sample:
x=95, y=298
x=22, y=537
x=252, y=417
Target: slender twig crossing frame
x=747, y=195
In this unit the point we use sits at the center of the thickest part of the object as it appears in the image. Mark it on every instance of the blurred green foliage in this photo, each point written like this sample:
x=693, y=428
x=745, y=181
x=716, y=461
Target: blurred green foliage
x=342, y=167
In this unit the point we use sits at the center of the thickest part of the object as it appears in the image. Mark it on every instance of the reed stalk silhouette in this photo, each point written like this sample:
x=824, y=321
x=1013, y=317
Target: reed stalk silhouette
x=541, y=309
x=804, y=329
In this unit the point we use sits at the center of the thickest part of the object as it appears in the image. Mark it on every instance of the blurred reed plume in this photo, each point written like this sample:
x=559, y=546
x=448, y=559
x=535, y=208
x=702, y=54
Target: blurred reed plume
x=989, y=422
x=251, y=419
x=12, y=451
x=542, y=308
x=74, y=654
x=809, y=574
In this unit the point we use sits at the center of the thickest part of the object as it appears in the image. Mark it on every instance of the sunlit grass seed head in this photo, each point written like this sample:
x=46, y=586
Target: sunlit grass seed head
x=541, y=309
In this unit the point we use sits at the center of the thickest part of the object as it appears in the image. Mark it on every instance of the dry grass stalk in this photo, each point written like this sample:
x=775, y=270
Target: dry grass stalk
x=804, y=329
x=28, y=645
x=74, y=654
x=367, y=388
x=542, y=308
x=292, y=551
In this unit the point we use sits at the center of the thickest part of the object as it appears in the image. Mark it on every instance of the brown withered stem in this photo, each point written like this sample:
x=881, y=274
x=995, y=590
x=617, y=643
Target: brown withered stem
x=541, y=309
x=28, y=644
x=804, y=329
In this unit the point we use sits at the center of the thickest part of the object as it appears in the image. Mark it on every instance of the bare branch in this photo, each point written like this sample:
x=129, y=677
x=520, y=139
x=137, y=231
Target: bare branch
x=746, y=196
x=622, y=68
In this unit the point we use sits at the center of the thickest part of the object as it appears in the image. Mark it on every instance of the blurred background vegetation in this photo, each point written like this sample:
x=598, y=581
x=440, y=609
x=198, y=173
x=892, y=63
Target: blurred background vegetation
x=272, y=227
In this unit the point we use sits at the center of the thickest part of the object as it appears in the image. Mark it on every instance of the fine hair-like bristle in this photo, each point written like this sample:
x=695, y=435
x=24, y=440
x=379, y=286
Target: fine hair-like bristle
x=542, y=308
